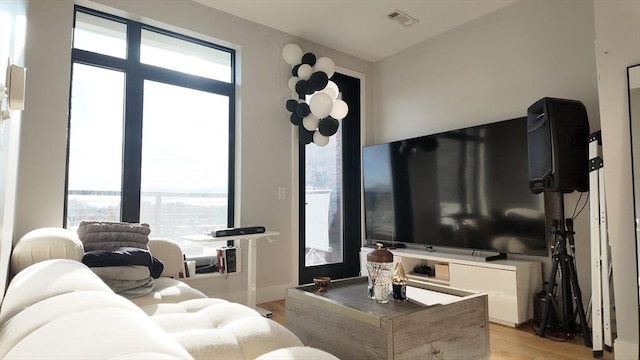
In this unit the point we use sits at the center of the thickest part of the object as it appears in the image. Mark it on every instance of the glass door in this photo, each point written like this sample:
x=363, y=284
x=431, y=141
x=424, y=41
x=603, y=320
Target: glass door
x=330, y=196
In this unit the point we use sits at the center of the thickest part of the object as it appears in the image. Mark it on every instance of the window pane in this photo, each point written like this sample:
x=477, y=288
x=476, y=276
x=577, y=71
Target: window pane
x=323, y=197
x=95, y=146
x=100, y=35
x=185, y=160
x=187, y=57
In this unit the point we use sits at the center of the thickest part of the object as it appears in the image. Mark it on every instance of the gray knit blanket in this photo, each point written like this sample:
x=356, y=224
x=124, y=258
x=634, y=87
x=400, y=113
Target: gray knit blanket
x=104, y=235
x=128, y=281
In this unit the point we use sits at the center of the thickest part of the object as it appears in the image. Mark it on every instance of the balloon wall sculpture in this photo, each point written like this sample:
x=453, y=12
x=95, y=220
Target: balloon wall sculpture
x=318, y=119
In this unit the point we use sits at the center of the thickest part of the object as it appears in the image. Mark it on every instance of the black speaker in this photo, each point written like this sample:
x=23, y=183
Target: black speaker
x=558, y=143
x=552, y=317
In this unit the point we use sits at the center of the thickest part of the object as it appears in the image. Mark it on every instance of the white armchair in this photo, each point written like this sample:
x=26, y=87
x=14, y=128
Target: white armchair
x=168, y=288
x=167, y=251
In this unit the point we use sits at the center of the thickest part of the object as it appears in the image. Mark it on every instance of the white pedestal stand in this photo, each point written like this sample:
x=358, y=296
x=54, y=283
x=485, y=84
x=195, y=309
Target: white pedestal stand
x=251, y=263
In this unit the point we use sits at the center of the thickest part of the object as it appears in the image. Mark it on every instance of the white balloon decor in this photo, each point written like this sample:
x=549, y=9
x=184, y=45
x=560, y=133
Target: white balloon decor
x=331, y=89
x=320, y=139
x=325, y=65
x=292, y=83
x=304, y=71
x=292, y=54
x=321, y=105
x=339, y=110
x=310, y=122
x=318, y=120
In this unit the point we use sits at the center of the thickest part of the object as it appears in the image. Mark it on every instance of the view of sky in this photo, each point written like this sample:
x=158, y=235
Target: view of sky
x=185, y=131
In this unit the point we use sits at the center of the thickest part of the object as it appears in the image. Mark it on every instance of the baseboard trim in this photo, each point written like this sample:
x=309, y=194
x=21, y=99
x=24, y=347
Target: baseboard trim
x=272, y=293
x=625, y=349
x=263, y=294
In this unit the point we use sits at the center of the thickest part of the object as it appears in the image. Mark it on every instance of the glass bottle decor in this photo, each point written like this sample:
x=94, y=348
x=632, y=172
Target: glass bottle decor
x=399, y=282
x=379, y=264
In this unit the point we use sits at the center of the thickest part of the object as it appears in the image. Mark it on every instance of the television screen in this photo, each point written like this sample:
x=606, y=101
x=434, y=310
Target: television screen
x=467, y=188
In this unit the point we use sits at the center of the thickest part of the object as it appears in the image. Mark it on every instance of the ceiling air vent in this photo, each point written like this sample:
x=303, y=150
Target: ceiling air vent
x=402, y=18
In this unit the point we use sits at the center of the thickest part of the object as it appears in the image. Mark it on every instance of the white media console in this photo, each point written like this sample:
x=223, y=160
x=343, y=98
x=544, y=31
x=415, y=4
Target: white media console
x=509, y=284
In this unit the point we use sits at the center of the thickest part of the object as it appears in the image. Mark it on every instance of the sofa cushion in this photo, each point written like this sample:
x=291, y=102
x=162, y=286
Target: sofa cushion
x=221, y=315
x=199, y=304
x=215, y=316
x=47, y=279
x=206, y=344
x=39, y=314
x=244, y=338
x=222, y=330
x=181, y=307
x=97, y=334
x=298, y=352
x=257, y=336
x=168, y=290
x=44, y=244
x=145, y=356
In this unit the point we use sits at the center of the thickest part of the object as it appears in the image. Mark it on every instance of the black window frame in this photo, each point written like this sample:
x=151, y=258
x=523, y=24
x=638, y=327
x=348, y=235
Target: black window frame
x=351, y=191
x=135, y=75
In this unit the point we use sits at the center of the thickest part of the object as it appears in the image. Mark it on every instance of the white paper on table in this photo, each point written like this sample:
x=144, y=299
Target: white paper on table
x=428, y=297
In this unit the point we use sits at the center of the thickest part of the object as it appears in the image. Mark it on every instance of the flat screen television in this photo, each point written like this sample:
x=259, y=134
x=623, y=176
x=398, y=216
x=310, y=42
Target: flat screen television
x=466, y=188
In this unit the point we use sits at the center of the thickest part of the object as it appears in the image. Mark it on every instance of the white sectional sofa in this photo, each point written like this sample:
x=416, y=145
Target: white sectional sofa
x=55, y=307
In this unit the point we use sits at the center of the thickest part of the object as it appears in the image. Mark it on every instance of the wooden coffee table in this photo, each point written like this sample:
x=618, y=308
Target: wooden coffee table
x=346, y=323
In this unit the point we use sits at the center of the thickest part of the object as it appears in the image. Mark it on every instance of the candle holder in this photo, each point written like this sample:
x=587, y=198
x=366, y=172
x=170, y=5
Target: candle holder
x=322, y=282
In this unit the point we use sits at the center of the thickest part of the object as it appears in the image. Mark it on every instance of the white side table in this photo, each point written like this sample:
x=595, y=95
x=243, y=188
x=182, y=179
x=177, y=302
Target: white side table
x=251, y=261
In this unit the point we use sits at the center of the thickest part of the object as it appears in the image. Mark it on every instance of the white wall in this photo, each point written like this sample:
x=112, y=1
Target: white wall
x=493, y=69
x=265, y=136
x=12, y=42
x=617, y=25
x=41, y=169
x=489, y=70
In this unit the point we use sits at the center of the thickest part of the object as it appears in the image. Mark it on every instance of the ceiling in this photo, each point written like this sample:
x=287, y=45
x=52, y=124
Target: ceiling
x=359, y=27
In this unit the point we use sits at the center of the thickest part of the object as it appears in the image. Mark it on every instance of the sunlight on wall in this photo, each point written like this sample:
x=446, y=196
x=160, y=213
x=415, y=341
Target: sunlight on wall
x=13, y=25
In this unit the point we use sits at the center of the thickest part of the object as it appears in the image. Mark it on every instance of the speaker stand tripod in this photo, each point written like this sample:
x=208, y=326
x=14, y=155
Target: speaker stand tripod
x=563, y=262
x=601, y=303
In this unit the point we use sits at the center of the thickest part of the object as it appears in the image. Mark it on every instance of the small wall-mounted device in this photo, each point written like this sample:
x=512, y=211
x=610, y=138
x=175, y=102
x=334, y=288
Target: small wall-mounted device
x=227, y=260
x=12, y=96
x=16, y=79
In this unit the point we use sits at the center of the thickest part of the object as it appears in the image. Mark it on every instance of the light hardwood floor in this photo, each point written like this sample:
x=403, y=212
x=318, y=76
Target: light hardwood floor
x=506, y=343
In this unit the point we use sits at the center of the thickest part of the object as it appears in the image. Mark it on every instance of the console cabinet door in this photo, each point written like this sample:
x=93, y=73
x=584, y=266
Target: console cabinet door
x=499, y=284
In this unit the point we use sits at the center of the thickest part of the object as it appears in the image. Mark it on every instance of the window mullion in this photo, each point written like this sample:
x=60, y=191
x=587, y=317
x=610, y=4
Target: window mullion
x=172, y=77
x=132, y=142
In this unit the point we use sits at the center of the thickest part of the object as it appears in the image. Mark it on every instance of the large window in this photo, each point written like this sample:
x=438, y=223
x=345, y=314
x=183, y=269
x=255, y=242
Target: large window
x=151, y=129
